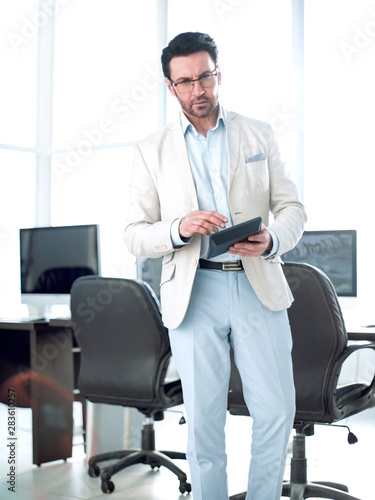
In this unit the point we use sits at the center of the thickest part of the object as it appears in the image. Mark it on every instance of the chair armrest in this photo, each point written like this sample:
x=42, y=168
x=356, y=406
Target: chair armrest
x=352, y=398
x=352, y=348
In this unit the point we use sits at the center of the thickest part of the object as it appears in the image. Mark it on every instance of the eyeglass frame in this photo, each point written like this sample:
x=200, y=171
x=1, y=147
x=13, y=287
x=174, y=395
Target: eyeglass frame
x=213, y=73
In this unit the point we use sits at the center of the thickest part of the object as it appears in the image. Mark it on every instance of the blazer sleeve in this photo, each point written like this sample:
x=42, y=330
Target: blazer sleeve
x=146, y=235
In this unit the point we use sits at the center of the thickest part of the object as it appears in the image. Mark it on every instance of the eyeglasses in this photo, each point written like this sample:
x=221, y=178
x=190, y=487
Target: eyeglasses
x=205, y=81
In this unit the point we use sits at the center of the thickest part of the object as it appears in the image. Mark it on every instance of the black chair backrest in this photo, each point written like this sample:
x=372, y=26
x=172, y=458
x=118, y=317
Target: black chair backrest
x=124, y=345
x=319, y=337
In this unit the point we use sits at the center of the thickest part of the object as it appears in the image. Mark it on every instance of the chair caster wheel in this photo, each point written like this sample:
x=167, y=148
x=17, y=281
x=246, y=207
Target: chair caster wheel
x=185, y=487
x=107, y=486
x=94, y=471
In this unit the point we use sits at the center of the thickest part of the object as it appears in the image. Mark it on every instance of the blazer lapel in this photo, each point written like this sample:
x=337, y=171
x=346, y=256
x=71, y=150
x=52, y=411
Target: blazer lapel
x=180, y=161
x=234, y=142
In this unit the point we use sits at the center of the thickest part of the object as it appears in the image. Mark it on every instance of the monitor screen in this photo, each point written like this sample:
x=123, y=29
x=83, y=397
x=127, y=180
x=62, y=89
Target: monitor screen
x=334, y=252
x=51, y=258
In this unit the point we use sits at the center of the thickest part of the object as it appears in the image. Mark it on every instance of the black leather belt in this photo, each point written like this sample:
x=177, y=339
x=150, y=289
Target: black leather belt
x=235, y=265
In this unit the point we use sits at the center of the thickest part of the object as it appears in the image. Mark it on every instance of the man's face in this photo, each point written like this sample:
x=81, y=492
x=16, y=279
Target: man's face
x=200, y=102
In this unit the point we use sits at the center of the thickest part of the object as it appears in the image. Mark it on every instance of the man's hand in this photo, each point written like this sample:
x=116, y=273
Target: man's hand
x=257, y=244
x=201, y=221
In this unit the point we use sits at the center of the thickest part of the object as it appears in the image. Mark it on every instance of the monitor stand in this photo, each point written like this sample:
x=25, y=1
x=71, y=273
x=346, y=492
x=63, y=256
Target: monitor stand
x=48, y=311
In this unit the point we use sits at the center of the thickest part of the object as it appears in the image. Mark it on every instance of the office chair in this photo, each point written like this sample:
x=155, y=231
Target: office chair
x=320, y=347
x=125, y=354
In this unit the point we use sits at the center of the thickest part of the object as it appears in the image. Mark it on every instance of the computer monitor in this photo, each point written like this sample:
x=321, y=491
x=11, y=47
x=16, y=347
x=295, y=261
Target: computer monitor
x=51, y=258
x=334, y=252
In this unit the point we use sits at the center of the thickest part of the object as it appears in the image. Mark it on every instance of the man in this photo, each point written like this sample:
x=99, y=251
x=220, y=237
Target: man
x=208, y=170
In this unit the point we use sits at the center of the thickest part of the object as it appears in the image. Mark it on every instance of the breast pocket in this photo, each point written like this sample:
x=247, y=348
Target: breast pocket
x=256, y=165
x=253, y=158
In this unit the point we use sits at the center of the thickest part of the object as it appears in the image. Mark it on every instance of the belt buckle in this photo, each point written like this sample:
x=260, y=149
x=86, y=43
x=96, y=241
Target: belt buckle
x=231, y=266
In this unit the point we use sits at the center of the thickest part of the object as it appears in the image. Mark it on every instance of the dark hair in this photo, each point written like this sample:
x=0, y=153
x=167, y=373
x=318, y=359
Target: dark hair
x=185, y=44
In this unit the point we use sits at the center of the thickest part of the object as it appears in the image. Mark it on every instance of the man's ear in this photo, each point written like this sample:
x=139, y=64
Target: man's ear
x=218, y=75
x=170, y=87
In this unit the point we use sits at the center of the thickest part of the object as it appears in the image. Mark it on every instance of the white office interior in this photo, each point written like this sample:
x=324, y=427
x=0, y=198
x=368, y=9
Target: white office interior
x=81, y=84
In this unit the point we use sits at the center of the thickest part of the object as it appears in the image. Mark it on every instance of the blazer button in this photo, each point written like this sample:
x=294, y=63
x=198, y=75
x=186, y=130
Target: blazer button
x=195, y=262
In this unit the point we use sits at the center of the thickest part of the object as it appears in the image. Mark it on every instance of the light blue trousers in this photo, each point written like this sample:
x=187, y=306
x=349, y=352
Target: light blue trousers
x=224, y=311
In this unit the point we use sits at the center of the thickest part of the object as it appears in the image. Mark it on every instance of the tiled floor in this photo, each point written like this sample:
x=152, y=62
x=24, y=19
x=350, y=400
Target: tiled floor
x=330, y=458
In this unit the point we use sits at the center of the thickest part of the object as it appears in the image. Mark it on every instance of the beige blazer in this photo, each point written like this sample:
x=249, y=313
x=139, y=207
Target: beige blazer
x=162, y=189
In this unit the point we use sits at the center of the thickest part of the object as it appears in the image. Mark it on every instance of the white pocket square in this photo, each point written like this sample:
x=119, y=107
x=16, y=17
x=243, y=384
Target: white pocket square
x=257, y=157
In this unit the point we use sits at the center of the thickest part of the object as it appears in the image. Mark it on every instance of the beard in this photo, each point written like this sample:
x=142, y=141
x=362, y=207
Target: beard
x=201, y=107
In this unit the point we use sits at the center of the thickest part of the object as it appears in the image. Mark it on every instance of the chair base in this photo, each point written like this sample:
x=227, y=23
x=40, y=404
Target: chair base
x=299, y=488
x=146, y=455
x=334, y=491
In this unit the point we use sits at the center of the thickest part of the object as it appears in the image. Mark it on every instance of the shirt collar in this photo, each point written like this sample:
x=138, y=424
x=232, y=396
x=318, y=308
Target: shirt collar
x=186, y=124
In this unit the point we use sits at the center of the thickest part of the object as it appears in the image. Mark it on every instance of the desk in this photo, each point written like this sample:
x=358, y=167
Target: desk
x=36, y=359
x=361, y=333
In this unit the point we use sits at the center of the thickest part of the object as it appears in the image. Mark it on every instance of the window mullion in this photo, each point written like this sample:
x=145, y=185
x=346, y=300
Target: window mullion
x=298, y=67
x=44, y=111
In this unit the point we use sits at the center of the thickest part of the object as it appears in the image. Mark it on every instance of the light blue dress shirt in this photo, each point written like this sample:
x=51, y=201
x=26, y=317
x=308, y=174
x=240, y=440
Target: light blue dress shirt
x=209, y=164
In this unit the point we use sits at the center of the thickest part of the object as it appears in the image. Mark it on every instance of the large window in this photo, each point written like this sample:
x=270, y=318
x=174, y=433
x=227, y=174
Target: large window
x=339, y=160
x=17, y=202
x=79, y=87
x=82, y=83
x=18, y=56
x=105, y=99
x=105, y=73
x=96, y=192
